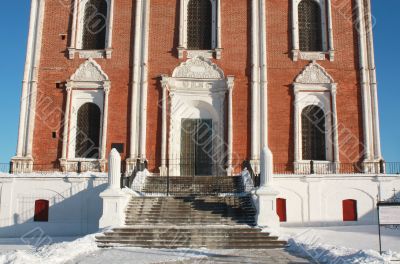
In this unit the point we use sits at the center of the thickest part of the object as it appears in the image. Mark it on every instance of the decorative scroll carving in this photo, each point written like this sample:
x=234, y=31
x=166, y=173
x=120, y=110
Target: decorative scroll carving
x=314, y=74
x=198, y=68
x=90, y=70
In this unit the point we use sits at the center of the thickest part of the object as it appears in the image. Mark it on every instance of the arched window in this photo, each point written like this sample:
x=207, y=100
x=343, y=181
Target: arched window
x=313, y=133
x=41, y=211
x=199, y=25
x=310, y=26
x=88, y=131
x=349, y=210
x=94, y=25
x=281, y=209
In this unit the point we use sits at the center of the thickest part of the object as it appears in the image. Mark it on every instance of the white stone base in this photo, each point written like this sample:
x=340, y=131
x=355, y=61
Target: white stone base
x=266, y=207
x=114, y=205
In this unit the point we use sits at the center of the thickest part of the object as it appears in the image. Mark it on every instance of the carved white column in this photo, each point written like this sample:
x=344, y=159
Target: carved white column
x=295, y=30
x=363, y=80
x=144, y=81
x=296, y=121
x=105, y=122
x=266, y=208
x=114, y=172
x=133, y=152
x=21, y=149
x=255, y=99
x=67, y=113
x=336, y=157
x=115, y=200
x=230, y=83
x=34, y=77
x=330, y=31
x=163, y=168
x=182, y=18
x=72, y=47
x=110, y=23
x=373, y=83
x=218, y=48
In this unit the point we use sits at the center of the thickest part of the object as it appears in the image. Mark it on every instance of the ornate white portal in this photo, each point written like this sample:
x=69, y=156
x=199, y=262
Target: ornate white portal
x=315, y=87
x=89, y=84
x=199, y=90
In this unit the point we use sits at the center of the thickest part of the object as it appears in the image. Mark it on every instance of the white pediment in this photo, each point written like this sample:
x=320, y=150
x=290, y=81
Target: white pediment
x=198, y=68
x=89, y=71
x=314, y=74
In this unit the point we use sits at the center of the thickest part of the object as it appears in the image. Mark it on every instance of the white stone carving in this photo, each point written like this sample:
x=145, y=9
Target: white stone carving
x=198, y=68
x=90, y=70
x=314, y=74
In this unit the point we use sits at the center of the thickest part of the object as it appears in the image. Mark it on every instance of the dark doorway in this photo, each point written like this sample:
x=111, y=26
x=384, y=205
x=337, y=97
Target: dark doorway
x=196, y=147
x=88, y=131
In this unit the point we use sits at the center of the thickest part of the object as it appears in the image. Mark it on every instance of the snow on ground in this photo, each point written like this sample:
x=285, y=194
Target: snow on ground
x=337, y=245
x=345, y=244
x=85, y=250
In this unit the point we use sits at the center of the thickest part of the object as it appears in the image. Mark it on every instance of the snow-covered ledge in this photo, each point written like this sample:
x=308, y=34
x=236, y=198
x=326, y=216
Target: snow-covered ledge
x=114, y=199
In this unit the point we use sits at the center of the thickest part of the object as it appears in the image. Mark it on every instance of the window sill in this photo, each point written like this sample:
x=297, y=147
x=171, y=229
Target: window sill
x=207, y=54
x=72, y=165
x=313, y=55
x=86, y=54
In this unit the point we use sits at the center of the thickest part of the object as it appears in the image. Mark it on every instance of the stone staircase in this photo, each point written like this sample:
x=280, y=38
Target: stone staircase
x=191, y=221
x=200, y=185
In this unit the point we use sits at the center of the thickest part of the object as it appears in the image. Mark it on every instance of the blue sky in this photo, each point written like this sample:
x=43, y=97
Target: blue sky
x=14, y=27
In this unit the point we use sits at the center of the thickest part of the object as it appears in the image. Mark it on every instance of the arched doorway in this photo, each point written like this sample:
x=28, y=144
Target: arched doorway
x=200, y=120
x=88, y=131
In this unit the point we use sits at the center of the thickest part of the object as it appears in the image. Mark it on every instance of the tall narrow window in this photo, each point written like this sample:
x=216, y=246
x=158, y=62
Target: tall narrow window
x=313, y=133
x=88, y=131
x=349, y=210
x=199, y=25
x=310, y=26
x=94, y=25
x=41, y=211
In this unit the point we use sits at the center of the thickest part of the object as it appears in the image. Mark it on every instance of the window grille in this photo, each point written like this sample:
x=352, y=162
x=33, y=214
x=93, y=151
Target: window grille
x=313, y=133
x=95, y=25
x=310, y=26
x=88, y=132
x=199, y=25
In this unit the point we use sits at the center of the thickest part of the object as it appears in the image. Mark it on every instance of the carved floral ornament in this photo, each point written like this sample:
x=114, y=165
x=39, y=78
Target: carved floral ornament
x=314, y=74
x=198, y=68
x=89, y=71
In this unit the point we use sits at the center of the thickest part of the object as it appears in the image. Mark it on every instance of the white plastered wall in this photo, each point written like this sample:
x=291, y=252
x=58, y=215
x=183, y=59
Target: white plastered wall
x=74, y=204
x=317, y=200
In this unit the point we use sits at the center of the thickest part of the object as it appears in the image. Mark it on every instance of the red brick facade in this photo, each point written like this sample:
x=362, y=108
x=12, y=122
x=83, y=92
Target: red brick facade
x=236, y=60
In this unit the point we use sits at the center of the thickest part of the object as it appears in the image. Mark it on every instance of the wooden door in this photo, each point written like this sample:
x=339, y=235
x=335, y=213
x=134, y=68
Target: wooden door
x=196, y=147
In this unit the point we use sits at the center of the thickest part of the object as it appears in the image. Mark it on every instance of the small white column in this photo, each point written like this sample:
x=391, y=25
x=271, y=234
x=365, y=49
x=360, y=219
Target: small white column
x=336, y=158
x=105, y=126
x=114, y=199
x=218, y=49
x=230, y=83
x=64, y=155
x=144, y=81
x=255, y=87
x=295, y=30
x=182, y=18
x=330, y=31
x=266, y=208
x=163, y=168
x=110, y=29
x=296, y=121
